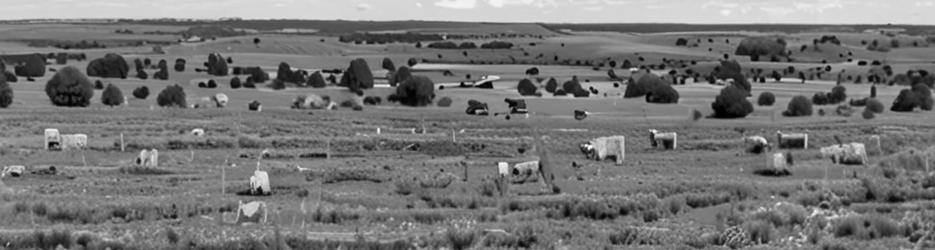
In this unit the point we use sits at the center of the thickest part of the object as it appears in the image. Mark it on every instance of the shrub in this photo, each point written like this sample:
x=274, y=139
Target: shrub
x=642, y=85
x=460, y=239
x=874, y=105
x=212, y=84
x=69, y=87
x=179, y=65
x=388, y=64
x=798, y=106
x=526, y=87
x=416, y=91
x=6, y=93
x=249, y=83
x=235, y=83
x=866, y=227
x=868, y=114
x=732, y=103
x=925, y=96
x=838, y=94
x=444, y=102
x=172, y=96
x=400, y=76
x=820, y=99
x=761, y=46
x=98, y=85
x=906, y=101
x=760, y=232
x=109, y=66
x=163, y=73
x=316, y=80
x=551, y=85
x=766, y=99
x=358, y=76
x=141, y=92
x=664, y=93
x=278, y=84
x=112, y=96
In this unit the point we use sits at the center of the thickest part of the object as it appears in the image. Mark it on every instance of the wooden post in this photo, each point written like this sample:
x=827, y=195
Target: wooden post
x=83, y=159
x=123, y=146
x=328, y=150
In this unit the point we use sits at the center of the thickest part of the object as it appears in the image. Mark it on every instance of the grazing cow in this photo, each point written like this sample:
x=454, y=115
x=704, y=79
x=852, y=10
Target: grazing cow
x=517, y=106
x=603, y=147
x=259, y=183
x=148, y=158
x=220, y=100
x=581, y=114
x=74, y=141
x=53, y=140
x=255, y=106
x=503, y=169
x=756, y=144
x=796, y=140
x=669, y=140
x=143, y=158
x=251, y=212
x=847, y=154
x=525, y=172
x=781, y=161
x=13, y=171
x=198, y=132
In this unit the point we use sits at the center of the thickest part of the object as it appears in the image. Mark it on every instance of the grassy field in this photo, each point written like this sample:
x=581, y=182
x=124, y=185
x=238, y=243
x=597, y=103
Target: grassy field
x=336, y=183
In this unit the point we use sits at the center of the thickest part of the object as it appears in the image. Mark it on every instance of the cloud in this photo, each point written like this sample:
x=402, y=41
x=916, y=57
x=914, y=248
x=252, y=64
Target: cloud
x=725, y=12
x=534, y=3
x=818, y=6
x=457, y=4
x=364, y=6
x=777, y=11
x=419, y=5
x=925, y=4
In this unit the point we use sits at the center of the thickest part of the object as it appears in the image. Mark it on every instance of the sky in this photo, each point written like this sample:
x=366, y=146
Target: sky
x=549, y=11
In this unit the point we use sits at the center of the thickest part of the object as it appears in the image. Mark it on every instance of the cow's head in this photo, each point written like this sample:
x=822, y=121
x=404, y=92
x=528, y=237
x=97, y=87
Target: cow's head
x=586, y=148
x=652, y=137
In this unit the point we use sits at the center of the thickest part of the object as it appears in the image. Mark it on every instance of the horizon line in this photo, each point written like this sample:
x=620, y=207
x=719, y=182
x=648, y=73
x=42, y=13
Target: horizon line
x=222, y=19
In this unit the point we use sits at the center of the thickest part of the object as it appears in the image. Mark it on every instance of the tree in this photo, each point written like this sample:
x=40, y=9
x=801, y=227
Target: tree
x=838, y=94
x=681, y=42
x=551, y=85
x=532, y=71
x=6, y=93
x=388, y=64
x=32, y=65
x=925, y=96
x=235, y=83
x=69, y=88
x=109, y=66
x=357, y=76
x=761, y=46
x=112, y=96
x=172, y=96
x=217, y=66
x=140, y=69
x=163, y=73
x=256, y=41
x=141, y=92
x=526, y=87
x=316, y=80
x=798, y=106
x=285, y=74
x=732, y=103
x=766, y=99
x=572, y=86
x=400, y=76
x=643, y=85
x=179, y=65
x=874, y=105
x=416, y=91
x=412, y=62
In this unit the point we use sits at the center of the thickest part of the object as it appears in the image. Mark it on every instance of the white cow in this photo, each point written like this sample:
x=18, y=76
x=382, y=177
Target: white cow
x=756, y=144
x=503, y=169
x=259, y=183
x=74, y=141
x=849, y=153
x=525, y=172
x=602, y=147
x=250, y=212
x=148, y=158
x=796, y=140
x=198, y=132
x=14, y=171
x=53, y=139
x=220, y=100
x=781, y=161
x=669, y=140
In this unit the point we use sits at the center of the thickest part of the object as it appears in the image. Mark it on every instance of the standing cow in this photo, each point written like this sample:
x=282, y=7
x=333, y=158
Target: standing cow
x=604, y=147
x=756, y=144
x=669, y=140
x=849, y=153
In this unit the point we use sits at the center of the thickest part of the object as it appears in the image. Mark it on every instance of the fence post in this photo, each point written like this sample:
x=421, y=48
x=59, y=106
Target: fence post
x=123, y=146
x=328, y=150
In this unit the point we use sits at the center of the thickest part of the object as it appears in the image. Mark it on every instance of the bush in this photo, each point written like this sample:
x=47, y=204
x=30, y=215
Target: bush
x=761, y=46
x=141, y=92
x=868, y=114
x=460, y=239
x=444, y=102
x=388, y=64
x=112, y=96
x=316, y=80
x=766, y=99
x=69, y=88
x=278, y=84
x=212, y=84
x=357, y=76
x=6, y=93
x=874, y=105
x=838, y=94
x=400, y=76
x=924, y=93
x=820, y=99
x=664, y=93
x=416, y=91
x=235, y=83
x=798, y=106
x=109, y=66
x=732, y=103
x=906, y=101
x=642, y=86
x=526, y=87
x=172, y=96
x=179, y=65
x=551, y=85
x=249, y=83
x=163, y=73
x=98, y=85
x=572, y=86
x=866, y=227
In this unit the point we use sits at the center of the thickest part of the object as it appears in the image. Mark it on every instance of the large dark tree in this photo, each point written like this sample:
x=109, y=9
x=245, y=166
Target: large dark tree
x=732, y=103
x=663, y=93
x=217, y=65
x=112, y=96
x=358, y=76
x=285, y=74
x=110, y=66
x=761, y=46
x=163, y=73
x=416, y=91
x=140, y=69
x=70, y=88
x=551, y=85
x=172, y=96
x=388, y=64
x=643, y=85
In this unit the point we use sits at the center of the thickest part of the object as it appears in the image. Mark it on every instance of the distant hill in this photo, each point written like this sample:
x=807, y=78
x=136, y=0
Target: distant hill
x=340, y=27
x=787, y=28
